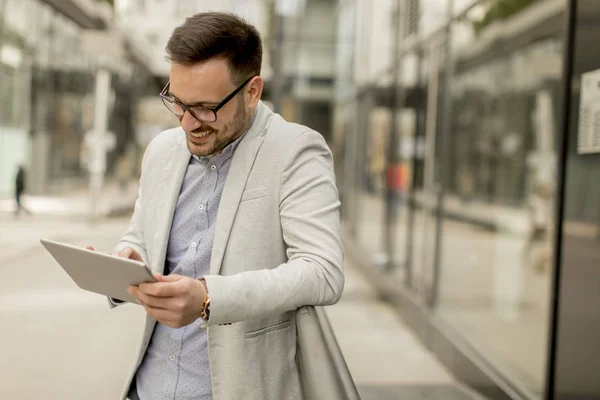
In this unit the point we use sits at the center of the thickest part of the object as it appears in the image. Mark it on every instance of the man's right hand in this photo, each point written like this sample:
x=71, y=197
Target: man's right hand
x=127, y=252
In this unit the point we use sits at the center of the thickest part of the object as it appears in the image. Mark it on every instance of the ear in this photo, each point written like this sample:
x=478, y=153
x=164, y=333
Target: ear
x=255, y=88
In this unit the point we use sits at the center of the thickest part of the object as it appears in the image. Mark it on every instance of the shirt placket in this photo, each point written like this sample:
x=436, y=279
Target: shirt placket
x=173, y=371
x=188, y=269
x=177, y=336
x=209, y=186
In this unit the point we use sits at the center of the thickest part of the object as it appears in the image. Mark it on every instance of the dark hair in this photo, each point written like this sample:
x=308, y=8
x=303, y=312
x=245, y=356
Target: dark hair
x=218, y=35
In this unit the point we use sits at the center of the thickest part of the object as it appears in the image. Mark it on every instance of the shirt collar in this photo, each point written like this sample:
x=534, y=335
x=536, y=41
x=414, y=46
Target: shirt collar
x=231, y=147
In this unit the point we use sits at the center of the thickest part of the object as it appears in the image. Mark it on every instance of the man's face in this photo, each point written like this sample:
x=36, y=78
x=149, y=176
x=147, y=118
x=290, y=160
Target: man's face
x=207, y=84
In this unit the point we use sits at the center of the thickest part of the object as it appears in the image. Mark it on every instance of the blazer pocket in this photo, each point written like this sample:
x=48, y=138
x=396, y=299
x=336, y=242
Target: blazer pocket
x=271, y=328
x=255, y=193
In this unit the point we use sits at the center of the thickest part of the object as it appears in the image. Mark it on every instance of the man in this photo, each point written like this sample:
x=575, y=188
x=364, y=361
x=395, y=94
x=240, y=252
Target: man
x=238, y=217
x=19, y=189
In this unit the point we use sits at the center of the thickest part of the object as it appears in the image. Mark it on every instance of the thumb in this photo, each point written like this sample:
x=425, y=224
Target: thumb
x=90, y=248
x=136, y=256
x=125, y=253
x=158, y=277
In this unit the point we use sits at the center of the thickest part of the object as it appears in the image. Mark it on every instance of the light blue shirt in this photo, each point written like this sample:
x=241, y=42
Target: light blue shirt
x=176, y=364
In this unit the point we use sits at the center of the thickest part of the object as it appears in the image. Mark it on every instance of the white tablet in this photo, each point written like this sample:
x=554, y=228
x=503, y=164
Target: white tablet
x=99, y=272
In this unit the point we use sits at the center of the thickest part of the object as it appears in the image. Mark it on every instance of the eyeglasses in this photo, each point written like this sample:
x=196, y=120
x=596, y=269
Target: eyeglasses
x=202, y=114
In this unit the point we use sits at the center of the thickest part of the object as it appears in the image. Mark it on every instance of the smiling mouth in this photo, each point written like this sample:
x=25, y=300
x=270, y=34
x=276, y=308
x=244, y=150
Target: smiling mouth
x=200, y=135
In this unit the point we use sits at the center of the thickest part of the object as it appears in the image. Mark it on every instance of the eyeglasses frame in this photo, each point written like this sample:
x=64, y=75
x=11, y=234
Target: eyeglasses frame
x=165, y=97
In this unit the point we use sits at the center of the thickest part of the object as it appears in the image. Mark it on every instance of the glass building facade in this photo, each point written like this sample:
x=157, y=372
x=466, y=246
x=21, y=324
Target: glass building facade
x=47, y=81
x=462, y=187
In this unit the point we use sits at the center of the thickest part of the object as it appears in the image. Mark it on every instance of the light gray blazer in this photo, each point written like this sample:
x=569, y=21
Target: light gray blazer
x=277, y=247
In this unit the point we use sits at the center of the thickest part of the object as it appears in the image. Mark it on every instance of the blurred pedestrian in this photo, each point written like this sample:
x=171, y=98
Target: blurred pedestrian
x=537, y=250
x=20, y=185
x=239, y=210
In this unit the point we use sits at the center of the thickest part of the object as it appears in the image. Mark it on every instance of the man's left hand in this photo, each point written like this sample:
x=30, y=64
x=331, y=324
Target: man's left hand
x=174, y=300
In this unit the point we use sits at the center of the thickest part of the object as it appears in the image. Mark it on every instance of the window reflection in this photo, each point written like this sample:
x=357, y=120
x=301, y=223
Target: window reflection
x=498, y=218
x=474, y=187
x=375, y=120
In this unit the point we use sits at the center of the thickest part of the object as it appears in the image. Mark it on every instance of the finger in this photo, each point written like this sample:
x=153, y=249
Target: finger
x=158, y=277
x=161, y=289
x=172, y=278
x=171, y=324
x=147, y=301
x=90, y=248
x=164, y=316
x=146, y=305
x=152, y=301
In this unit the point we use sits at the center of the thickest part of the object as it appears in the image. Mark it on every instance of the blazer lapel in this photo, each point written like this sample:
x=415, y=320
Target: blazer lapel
x=170, y=186
x=241, y=165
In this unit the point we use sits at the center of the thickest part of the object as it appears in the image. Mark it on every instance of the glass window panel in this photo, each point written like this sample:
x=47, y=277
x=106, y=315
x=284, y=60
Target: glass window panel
x=410, y=140
x=7, y=84
x=372, y=188
x=42, y=31
x=578, y=314
x=459, y=6
x=434, y=13
x=347, y=154
x=418, y=245
x=18, y=16
x=500, y=193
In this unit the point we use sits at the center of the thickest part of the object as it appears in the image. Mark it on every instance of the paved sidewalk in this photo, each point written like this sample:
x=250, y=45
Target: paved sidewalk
x=59, y=341
x=20, y=238
x=64, y=343
x=504, y=313
x=489, y=216
x=59, y=217
x=77, y=204
x=385, y=358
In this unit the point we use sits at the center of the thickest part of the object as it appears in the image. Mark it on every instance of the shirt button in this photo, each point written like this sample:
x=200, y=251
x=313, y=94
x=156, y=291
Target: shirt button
x=194, y=244
x=213, y=167
x=200, y=207
x=172, y=358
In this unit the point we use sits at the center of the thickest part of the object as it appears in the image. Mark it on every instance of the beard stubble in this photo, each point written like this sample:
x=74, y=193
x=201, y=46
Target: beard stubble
x=222, y=138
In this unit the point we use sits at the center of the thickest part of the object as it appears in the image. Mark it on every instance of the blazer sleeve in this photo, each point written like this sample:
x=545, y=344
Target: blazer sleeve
x=309, y=213
x=134, y=235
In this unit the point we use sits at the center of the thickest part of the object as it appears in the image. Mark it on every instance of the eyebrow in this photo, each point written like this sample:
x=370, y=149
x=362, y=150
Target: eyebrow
x=199, y=103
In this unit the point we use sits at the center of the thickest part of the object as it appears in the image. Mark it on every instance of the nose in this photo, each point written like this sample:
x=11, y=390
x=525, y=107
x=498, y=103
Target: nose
x=189, y=123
